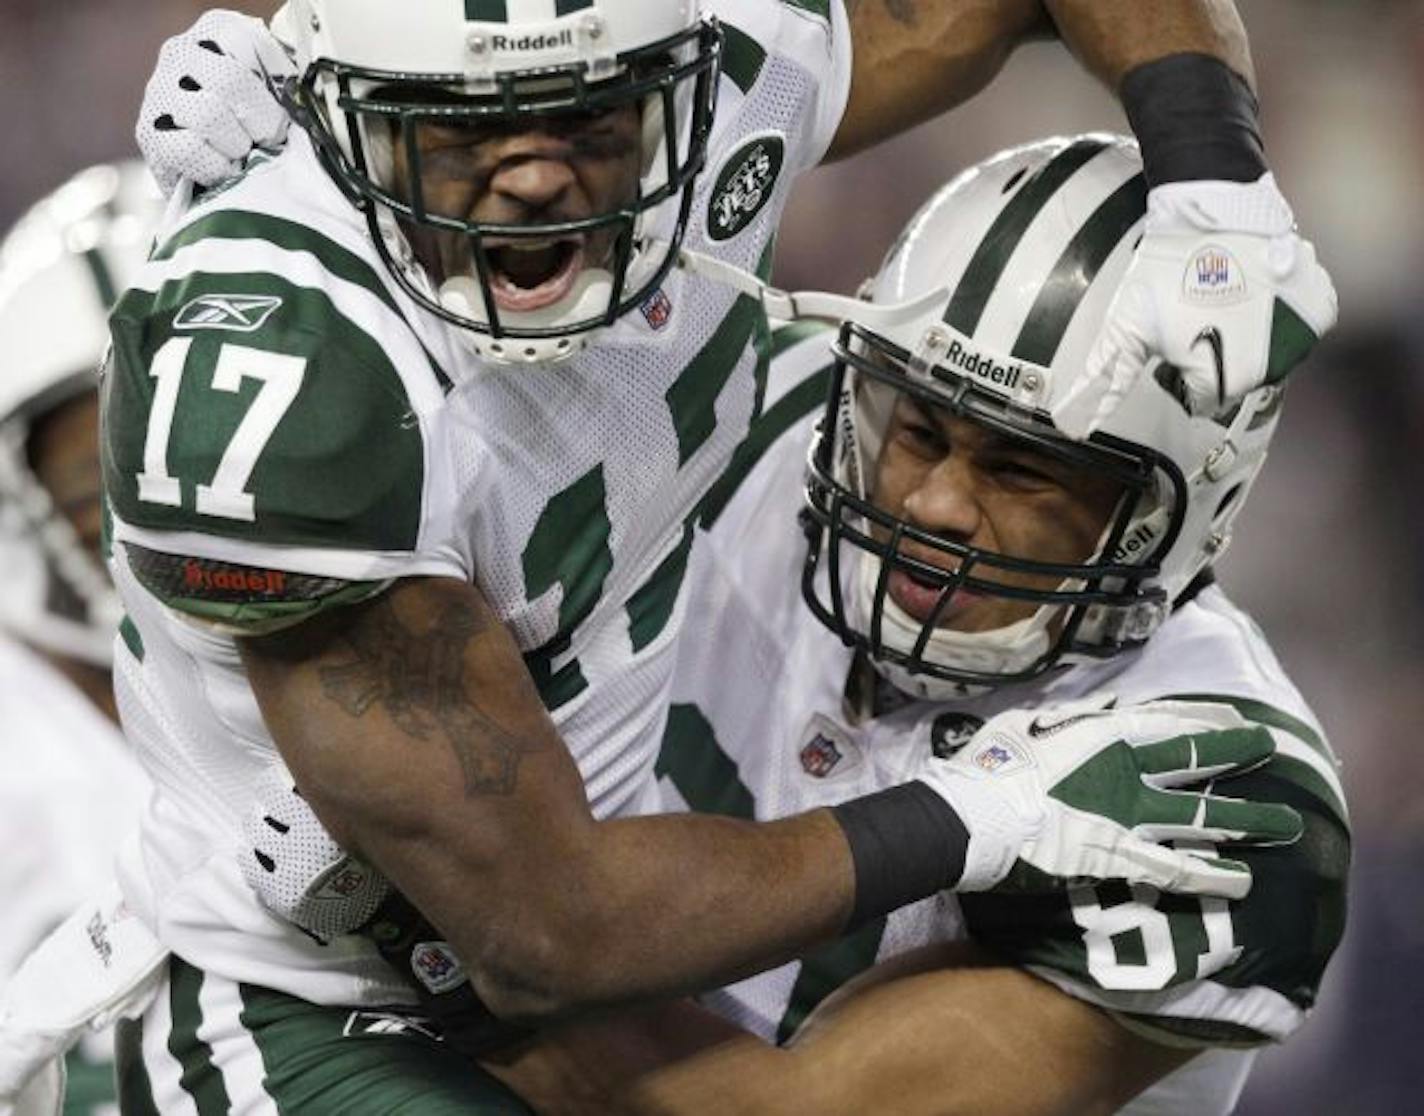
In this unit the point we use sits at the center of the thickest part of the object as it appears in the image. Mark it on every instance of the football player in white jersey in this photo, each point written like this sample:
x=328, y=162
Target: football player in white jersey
x=978, y=581
x=68, y=783
x=310, y=469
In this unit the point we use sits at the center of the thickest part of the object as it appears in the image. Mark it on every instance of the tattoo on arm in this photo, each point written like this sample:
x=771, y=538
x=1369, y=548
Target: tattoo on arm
x=418, y=678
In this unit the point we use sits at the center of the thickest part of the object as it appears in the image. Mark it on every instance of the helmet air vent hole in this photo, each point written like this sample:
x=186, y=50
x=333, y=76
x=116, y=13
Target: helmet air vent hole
x=1228, y=501
x=1015, y=180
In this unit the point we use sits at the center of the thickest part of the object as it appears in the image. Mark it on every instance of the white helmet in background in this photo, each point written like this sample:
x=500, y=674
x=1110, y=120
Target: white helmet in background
x=372, y=70
x=61, y=268
x=1028, y=249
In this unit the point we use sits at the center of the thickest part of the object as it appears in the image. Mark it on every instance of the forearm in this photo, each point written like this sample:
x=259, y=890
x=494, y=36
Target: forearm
x=640, y=909
x=1114, y=37
x=419, y=741
x=939, y=1032
x=914, y=59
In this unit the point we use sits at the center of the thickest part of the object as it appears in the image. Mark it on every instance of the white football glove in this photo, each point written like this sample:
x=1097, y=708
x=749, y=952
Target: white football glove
x=1081, y=793
x=297, y=871
x=210, y=101
x=102, y=964
x=1222, y=288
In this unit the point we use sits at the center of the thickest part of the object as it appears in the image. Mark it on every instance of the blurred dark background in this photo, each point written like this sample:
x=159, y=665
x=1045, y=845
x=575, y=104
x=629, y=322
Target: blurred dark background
x=1330, y=558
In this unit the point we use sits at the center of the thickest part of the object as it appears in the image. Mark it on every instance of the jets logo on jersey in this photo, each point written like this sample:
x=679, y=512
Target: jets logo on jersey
x=826, y=749
x=951, y=731
x=235, y=313
x=745, y=186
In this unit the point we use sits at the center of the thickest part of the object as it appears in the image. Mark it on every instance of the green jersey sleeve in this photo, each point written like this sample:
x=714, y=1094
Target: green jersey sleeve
x=252, y=419
x=1200, y=970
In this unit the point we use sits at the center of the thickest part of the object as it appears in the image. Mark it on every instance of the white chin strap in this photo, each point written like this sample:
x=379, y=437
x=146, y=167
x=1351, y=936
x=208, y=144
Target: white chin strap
x=1005, y=650
x=820, y=305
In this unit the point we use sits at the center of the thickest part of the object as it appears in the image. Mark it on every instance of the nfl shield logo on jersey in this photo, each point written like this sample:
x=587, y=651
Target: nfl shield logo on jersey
x=658, y=310
x=826, y=748
x=820, y=756
x=436, y=966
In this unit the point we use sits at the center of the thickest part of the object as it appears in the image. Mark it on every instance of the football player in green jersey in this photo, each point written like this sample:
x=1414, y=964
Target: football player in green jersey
x=977, y=580
x=330, y=518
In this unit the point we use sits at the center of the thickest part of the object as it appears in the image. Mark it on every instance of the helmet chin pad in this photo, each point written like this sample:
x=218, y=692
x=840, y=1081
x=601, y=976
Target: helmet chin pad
x=462, y=295
x=1008, y=650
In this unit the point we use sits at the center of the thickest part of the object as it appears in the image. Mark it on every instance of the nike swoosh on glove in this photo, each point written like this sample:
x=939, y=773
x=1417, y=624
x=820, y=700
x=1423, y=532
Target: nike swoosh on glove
x=1084, y=793
x=1222, y=288
x=210, y=100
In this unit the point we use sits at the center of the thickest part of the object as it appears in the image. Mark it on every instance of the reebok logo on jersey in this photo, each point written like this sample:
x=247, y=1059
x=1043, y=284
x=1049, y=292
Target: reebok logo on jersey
x=1213, y=278
x=380, y=1024
x=235, y=313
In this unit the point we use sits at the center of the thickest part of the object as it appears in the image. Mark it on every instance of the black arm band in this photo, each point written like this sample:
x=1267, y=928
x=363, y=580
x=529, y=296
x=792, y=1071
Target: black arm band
x=1196, y=118
x=907, y=843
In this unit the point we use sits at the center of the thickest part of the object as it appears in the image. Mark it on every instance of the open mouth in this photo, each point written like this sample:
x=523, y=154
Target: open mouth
x=529, y=275
x=919, y=596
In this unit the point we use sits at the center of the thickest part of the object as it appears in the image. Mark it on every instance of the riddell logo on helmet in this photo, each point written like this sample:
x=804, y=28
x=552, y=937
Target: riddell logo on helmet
x=1139, y=540
x=983, y=367
x=528, y=44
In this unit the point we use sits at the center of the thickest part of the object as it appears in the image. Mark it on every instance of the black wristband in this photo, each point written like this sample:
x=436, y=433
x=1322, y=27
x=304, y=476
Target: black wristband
x=907, y=843
x=1196, y=118
x=412, y=946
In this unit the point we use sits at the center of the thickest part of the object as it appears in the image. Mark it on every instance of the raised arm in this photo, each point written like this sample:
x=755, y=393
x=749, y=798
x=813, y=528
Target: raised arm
x=915, y=59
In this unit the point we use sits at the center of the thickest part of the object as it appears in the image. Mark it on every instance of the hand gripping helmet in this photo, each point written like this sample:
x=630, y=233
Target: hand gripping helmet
x=61, y=268
x=374, y=71
x=1027, y=250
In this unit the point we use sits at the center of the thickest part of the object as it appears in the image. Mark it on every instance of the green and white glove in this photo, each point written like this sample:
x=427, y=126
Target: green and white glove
x=1222, y=288
x=1086, y=793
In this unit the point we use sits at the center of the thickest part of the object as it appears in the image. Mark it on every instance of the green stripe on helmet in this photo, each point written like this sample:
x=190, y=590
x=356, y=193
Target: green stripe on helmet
x=568, y=7
x=1067, y=285
x=994, y=251
x=487, y=11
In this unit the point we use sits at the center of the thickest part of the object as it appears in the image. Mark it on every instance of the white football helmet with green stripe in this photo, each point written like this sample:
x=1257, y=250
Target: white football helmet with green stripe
x=61, y=268
x=373, y=70
x=1027, y=249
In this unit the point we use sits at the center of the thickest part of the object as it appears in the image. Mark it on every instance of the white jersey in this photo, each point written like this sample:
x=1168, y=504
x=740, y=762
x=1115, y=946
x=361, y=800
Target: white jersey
x=285, y=430
x=758, y=728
